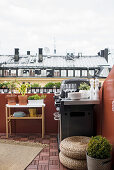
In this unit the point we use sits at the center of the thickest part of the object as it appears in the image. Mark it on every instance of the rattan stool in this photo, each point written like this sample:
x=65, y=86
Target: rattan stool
x=72, y=163
x=74, y=147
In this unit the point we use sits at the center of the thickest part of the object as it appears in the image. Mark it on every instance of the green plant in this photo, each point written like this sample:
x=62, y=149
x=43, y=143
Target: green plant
x=99, y=147
x=58, y=84
x=35, y=85
x=84, y=86
x=36, y=97
x=49, y=85
x=23, y=87
x=5, y=84
x=12, y=85
x=1, y=85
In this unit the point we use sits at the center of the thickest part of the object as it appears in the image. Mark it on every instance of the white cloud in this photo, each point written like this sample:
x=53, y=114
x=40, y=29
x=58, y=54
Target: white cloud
x=85, y=26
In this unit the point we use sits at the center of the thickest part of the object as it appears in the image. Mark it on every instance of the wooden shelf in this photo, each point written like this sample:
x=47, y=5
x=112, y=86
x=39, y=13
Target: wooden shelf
x=38, y=117
x=10, y=117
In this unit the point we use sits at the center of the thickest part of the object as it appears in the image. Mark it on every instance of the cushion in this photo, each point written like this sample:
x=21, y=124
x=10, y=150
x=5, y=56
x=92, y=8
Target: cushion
x=72, y=163
x=74, y=147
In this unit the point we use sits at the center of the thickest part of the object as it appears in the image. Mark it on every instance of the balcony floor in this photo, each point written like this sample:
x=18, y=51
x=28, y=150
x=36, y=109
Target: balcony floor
x=48, y=158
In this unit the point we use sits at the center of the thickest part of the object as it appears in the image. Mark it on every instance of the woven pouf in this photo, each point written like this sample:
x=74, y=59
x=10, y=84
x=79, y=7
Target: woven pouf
x=74, y=147
x=72, y=163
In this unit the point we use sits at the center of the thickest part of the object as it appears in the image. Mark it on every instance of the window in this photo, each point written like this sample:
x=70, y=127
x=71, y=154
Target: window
x=70, y=73
x=0, y=72
x=43, y=73
x=56, y=73
x=38, y=72
x=49, y=73
x=91, y=72
x=13, y=72
x=63, y=73
x=77, y=73
x=84, y=73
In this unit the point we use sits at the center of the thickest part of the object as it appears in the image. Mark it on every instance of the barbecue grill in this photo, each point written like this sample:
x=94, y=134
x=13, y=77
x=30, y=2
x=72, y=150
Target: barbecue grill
x=73, y=120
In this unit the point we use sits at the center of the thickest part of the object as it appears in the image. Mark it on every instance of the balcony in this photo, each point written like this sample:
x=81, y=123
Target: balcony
x=30, y=130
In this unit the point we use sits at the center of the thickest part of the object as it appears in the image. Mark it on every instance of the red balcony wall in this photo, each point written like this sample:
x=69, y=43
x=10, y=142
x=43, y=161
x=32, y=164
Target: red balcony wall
x=30, y=126
x=104, y=113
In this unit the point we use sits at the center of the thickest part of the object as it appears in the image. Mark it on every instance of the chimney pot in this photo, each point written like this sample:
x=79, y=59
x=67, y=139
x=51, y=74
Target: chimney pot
x=40, y=55
x=28, y=52
x=16, y=54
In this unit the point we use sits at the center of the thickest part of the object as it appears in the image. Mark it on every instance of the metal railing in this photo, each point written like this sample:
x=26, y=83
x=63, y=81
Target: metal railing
x=34, y=90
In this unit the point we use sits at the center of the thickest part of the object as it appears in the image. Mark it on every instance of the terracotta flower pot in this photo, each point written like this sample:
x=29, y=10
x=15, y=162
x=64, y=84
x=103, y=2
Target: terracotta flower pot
x=11, y=99
x=22, y=100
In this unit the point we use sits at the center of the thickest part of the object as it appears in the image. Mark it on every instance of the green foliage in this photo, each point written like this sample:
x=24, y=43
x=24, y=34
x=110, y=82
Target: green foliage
x=1, y=85
x=99, y=147
x=84, y=86
x=22, y=88
x=36, y=97
x=49, y=85
x=5, y=84
x=12, y=85
x=58, y=84
x=35, y=85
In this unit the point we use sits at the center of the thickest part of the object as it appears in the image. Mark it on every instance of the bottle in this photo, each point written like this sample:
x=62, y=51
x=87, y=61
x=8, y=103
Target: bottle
x=91, y=89
x=96, y=89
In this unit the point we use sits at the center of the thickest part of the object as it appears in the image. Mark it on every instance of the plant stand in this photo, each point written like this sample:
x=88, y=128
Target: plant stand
x=10, y=117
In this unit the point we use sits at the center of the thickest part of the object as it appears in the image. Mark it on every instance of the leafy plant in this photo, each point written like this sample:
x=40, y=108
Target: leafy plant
x=23, y=87
x=12, y=85
x=49, y=85
x=35, y=85
x=84, y=86
x=99, y=147
x=58, y=84
x=5, y=84
x=1, y=85
x=36, y=97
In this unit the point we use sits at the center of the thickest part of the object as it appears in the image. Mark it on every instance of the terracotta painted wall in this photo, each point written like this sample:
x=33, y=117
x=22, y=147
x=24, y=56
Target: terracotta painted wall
x=30, y=126
x=104, y=113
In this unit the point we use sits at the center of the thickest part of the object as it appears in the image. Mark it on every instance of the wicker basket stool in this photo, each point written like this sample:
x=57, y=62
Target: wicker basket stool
x=74, y=147
x=72, y=163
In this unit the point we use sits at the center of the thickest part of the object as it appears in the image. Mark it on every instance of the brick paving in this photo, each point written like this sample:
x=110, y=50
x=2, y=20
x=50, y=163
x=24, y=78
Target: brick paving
x=48, y=158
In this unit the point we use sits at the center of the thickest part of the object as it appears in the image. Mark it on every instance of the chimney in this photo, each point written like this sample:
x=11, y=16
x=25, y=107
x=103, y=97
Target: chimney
x=28, y=52
x=99, y=54
x=79, y=55
x=102, y=53
x=106, y=54
x=16, y=54
x=54, y=51
x=40, y=55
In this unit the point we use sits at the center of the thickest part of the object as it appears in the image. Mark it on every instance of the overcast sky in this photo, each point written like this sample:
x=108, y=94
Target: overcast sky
x=85, y=26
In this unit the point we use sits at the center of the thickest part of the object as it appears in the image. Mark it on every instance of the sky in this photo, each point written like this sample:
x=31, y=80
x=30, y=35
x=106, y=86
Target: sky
x=85, y=26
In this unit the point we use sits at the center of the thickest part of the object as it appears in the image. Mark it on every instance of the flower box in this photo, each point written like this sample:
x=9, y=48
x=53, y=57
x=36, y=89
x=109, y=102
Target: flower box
x=36, y=102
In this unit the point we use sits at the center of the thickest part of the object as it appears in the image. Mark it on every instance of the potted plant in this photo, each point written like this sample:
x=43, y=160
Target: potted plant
x=84, y=88
x=34, y=86
x=58, y=85
x=36, y=99
x=12, y=97
x=22, y=89
x=99, y=154
x=5, y=85
x=1, y=87
x=49, y=85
